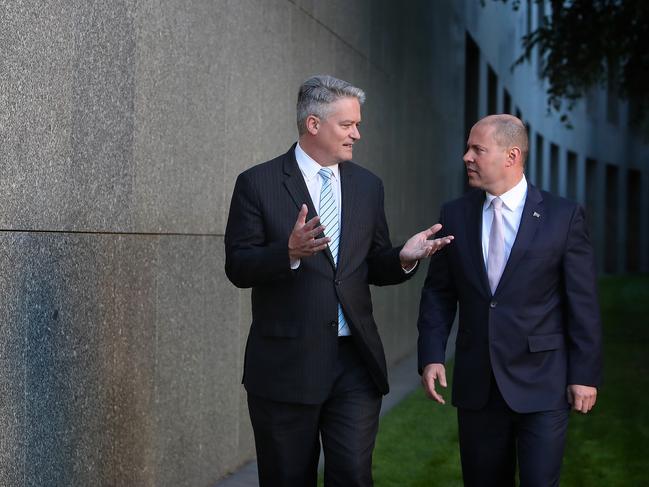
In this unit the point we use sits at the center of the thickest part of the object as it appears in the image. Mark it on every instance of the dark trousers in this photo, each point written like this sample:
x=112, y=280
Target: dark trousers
x=287, y=435
x=493, y=438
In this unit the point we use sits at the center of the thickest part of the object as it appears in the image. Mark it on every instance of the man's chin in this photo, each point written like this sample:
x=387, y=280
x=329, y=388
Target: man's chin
x=473, y=182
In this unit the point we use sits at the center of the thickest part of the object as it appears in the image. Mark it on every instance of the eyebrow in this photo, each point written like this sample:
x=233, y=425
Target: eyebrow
x=473, y=146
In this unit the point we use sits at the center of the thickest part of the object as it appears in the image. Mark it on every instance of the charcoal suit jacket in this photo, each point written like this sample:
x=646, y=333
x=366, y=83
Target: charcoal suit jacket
x=539, y=331
x=293, y=341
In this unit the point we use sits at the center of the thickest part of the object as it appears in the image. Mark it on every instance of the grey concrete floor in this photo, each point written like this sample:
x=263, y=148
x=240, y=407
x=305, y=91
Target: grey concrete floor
x=403, y=380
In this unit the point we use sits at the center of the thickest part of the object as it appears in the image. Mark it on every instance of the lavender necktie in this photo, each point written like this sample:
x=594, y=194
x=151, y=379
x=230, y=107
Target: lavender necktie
x=496, y=255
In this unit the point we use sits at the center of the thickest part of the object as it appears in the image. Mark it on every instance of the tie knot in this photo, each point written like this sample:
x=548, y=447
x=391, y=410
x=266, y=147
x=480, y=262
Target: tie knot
x=497, y=203
x=326, y=173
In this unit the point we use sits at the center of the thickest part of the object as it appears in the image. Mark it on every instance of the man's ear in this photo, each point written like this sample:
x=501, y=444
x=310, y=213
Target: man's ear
x=312, y=124
x=514, y=156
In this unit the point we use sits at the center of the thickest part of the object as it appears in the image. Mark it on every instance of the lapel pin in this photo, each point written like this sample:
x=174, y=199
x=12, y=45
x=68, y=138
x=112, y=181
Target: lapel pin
x=536, y=215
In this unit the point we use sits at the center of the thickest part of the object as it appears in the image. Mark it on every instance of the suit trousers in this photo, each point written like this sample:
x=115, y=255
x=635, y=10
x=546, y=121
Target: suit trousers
x=287, y=435
x=492, y=439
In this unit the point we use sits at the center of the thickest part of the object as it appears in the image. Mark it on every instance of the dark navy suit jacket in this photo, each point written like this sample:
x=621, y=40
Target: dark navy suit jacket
x=293, y=342
x=539, y=331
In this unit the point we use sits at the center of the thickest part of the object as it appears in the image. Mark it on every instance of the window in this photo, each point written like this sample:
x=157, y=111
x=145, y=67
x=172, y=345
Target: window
x=571, y=190
x=591, y=194
x=471, y=92
x=633, y=224
x=537, y=177
x=507, y=102
x=610, y=212
x=554, y=169
x=492, y=91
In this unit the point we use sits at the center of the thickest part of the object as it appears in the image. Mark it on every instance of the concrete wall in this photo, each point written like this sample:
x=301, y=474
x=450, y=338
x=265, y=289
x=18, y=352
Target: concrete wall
x=124, y=125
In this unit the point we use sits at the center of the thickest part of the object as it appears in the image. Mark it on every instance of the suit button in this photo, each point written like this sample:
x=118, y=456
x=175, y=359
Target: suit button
x=337, y=282
x=493, y=304
x=333, y=323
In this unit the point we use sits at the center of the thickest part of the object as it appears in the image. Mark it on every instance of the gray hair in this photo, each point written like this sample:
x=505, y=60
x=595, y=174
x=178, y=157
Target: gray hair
x=318, y=93
x=509, y=131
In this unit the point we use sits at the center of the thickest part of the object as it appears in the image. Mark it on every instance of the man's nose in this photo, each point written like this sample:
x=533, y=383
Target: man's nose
x=355, y=134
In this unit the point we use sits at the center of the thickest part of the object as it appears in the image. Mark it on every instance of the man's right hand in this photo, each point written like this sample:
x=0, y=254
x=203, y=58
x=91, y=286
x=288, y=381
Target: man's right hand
x=302, y=241
x=431, y=373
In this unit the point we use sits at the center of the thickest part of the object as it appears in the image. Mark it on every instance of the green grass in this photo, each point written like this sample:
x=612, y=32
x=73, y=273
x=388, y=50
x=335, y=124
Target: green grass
x=609, y=447
x=417, y=445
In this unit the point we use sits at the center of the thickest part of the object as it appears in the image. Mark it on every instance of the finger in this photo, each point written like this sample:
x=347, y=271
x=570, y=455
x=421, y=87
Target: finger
x=577, y=406
x=591, y=402
x=312, y=223
x=429, y=387
x=442, y=378
x=432, y=393
x=316, y=231
x=321, y=242
x=440, y=243
x=319, y=248
x=301, y=216
x=437, y=397
x=429, y=232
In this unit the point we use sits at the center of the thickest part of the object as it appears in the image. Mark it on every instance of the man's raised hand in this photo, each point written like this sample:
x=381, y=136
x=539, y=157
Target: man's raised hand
x=420, y=245
x=303, y=242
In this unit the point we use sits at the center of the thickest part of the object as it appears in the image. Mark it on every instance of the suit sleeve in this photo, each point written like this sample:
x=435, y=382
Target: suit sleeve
x=437, y=307
x=250, y=260
x=384, y=265
x=583, y=318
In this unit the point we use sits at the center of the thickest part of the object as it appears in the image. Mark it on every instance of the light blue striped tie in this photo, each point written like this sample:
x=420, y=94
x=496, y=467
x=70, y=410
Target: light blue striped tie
x=329, y=218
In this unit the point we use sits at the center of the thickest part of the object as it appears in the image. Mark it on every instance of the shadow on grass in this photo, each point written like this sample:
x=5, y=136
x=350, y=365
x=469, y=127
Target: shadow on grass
x=417, y=442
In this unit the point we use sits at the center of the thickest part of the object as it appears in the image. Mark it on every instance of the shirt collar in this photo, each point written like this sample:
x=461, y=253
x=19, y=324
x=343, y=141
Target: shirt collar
x=511, y=199
x=309, y=167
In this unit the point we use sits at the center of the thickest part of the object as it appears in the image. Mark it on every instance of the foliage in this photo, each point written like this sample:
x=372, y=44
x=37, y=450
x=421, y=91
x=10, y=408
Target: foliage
x=588, y=43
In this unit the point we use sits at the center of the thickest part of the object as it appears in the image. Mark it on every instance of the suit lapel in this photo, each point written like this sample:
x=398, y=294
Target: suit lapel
x=295, y=184
x=473, y=210
x=296, y=187
x=530, y=223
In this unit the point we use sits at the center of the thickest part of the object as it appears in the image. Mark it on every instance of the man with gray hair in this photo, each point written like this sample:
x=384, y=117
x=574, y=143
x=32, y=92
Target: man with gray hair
x=528, y=344
x=307, y=232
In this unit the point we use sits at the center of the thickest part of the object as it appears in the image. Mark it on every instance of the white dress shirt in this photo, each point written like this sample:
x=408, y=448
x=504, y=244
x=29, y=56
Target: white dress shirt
x=309, y=169
x=512, y=210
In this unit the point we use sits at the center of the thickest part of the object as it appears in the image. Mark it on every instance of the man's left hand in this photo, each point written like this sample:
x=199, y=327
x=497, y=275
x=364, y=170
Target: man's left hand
x=419, y=246
x=582, y=398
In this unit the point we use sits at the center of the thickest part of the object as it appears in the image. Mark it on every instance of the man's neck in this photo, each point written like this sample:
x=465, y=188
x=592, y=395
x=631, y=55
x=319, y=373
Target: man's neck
x=507, y=186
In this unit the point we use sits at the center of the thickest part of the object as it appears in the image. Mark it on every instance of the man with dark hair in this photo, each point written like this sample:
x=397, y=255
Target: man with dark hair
x=529, y=339
x=307, y=231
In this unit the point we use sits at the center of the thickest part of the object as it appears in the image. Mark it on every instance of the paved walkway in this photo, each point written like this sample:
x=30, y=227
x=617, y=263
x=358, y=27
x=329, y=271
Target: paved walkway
x=403, y=380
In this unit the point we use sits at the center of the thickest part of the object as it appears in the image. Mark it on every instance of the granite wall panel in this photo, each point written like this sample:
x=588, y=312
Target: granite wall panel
x=124, y=125
x=181, y=71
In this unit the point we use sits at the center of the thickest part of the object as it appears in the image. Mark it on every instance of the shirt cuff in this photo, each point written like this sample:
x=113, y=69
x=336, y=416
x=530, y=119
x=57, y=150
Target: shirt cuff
x=295, y=263
x=408, y=271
